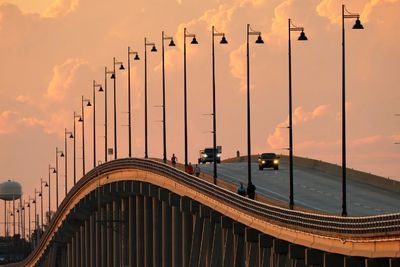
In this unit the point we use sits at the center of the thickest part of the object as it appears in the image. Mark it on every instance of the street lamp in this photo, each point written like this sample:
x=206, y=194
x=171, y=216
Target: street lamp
x=258, y=41
x=76, y=116
x=171, y=43
x=129, y=98
x=29, y=217
x=114, y=76
x=153, y=49
x=194, y=41
x=223, y=41
x=95, y=85
x=70, y=135
x=49, y=184
x=105, y=112
x=41, y=199
x=82, y=119
x=358, y=26
x=302, y=37
x=58, y=152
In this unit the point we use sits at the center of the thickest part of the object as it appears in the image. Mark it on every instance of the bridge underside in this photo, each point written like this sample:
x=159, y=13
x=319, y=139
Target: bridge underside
x=132, y=223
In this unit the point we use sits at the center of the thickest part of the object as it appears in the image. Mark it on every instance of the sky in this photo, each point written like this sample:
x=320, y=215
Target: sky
x=52, y=50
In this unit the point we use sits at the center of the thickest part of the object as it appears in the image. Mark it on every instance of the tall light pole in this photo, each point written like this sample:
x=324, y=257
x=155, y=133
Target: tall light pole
x=28, y=205
x=358, y=26
x=153, y=49
x=106, y=72
x=66, y=133
x=129, y=98
x=95, y=85
x=302, y=37
x=258, y=41
x=194, y=41
x=114, y=76
x=223, y=41
x=54, y=171
x=58, y=152
x=171, y=43
x=82, y=119
x=41, y=200
x=76, y=116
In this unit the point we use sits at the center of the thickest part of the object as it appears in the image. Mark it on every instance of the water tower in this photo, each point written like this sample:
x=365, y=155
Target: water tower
x=10, y=191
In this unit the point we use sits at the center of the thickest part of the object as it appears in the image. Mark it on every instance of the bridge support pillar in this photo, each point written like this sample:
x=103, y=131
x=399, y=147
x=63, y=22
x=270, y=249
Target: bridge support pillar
x=166, y=228
x=132, y=231
x=333, y=260
x=69, y=256
x=296, y=255
x=280, y=249
x=206, y=238
x=265, y=243
x=103, y=234
x=82, y=245
x=125, y=232
x=251, y=237
x=217, y=248
x=174, y=201
x=227, y=239
x=92, y=234
x=110, y=233
x=116, y=227
x=197, y=233
x=314, y=257
x=187, y=230
x=394, y=262
x=239, y=250
x=139, y=231
x=148, y=226
x=73, y=252
x=354, y=262
x=157, y=226
x=376, y=262
x=78, y=248
x=86, y=234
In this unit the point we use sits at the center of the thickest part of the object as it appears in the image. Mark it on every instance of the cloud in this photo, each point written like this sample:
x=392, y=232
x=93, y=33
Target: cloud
x=24, y=99
x=278, y=139
x=368, y=140
x=280, y=19
x=63, y=78
x=61, y=8
x=237, y=64
x=11, y=122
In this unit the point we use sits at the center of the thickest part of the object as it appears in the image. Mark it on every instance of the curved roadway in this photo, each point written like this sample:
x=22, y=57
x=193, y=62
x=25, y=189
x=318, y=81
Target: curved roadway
x=313, y=189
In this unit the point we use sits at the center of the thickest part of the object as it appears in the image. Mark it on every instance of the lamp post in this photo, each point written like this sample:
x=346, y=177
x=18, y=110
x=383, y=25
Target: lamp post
x=41, y=200
x=194, y=41
x=302, y=37
x=171, y=43
x=129, y=98
x=114, y=77
x=106, y=113
x=49, y=184
x=58, y=152
x=34, y=202
x=76, y=116
x=95, y=85
x=29, y=217
x=153, y=49
x=258, y=41
x=66, y=158
x=358, y=26
x=223, y=41
x=82, y=119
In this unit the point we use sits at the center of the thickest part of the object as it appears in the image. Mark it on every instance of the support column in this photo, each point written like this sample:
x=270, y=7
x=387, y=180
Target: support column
x=239, y=253
x=197, y=234
x=148, y=231
x=354, y=262
x=187, y=230
x=251, y=237
x=73, y=252
x=280, y=249
x=87, y=242
x=83, y=254
x=377, y=262
x=132, y=231
x=69, y=255
x=217, y=248
x=110, y=233
x=313, y=257
x=394, y=262
x=206, y=238
x=103, y=225
x=157, y=227
x=139, y=231
x=227, y=233
x=125, y=232
x=166, y=228
x=296, y=255
x=78, y=249
x=93, y=239
x=333, y=260
x=174, y=201
x=116, y=227
x=265, y=243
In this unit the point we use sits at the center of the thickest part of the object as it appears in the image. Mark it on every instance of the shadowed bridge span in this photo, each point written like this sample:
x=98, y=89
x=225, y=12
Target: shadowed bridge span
x=140, y=212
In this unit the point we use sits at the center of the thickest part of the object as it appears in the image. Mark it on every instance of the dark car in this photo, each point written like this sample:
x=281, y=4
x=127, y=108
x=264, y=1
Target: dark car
x=206, y=155
x=268, y=160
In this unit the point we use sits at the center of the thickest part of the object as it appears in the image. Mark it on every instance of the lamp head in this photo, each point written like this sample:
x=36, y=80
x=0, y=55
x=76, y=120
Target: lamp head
x=54, y=171
x=40, y=194
x=62, y=154
x=112, y=76
x=259, y=40
x=153, y=49
x=223, y=40
x=194, y=41
x=46, y=185
x=101, y=89
x=121, y=67
x=136, y=57
x=80, y=119
x=88, y=104
x=302, y=37
x=33, y=201
x=71, y=136
x=171, y=43
x=28, y=205
x=358, y=25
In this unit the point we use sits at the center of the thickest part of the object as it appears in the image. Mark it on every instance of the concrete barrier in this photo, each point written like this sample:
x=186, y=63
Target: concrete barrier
x=336, y=170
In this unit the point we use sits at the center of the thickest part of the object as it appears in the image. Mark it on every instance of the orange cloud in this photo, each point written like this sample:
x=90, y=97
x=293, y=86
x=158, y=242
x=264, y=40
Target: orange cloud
x=237, y=64
x=11, y=121
x=368, y=140
x=61, y=8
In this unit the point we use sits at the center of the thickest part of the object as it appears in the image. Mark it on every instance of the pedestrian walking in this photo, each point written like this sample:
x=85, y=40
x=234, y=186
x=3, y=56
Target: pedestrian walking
x=241, y=190
x=174, y=159
x=190, y=169
x=197, y=170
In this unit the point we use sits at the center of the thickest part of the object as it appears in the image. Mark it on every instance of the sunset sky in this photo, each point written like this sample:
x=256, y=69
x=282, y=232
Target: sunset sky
x=52, y=50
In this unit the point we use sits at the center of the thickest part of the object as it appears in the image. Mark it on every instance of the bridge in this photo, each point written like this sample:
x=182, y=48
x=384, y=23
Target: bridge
x=140, y=212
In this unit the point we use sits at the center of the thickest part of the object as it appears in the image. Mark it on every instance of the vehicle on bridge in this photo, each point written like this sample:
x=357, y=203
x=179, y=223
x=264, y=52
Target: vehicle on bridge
x=207, y=155
x=268, y=160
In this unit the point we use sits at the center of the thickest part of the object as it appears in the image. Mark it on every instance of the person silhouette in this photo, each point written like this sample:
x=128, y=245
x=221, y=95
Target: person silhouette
x=251, y=190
